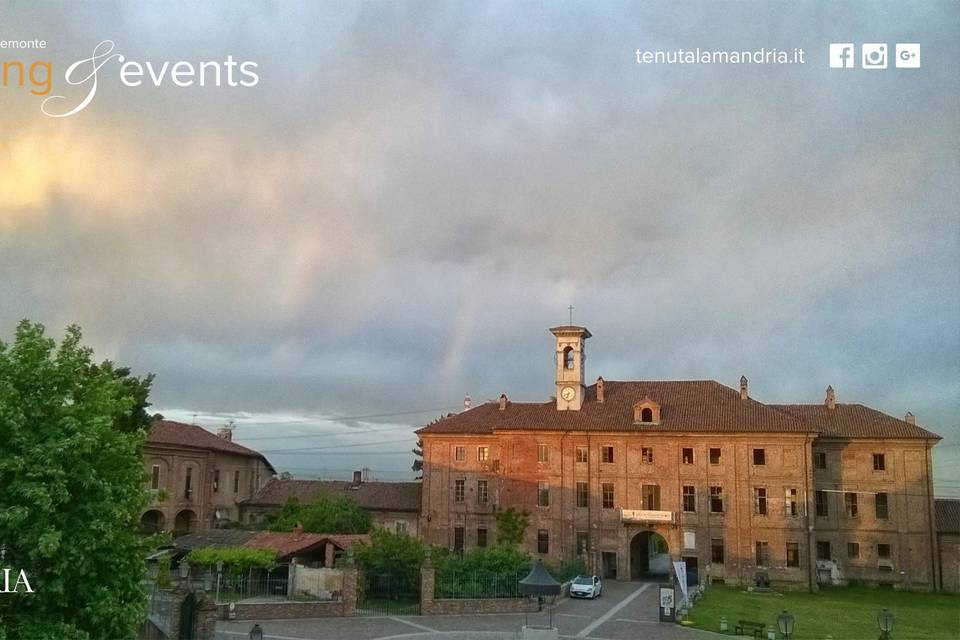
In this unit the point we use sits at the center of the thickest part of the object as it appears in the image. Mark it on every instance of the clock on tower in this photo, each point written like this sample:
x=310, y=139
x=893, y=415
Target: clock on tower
x=571, y=359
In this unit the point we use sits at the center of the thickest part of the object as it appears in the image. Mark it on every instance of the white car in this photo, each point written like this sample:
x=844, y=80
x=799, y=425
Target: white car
x=585, y=587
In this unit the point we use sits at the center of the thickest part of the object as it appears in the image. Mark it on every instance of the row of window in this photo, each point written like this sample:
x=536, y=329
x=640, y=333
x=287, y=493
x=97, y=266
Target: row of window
x=188, y=481
x=460, y=454
x=646, y=456
x=650, y=499
x=543, y=539
x=717, y=549
x=824, y=552
x=851, y=505
x=820, y=461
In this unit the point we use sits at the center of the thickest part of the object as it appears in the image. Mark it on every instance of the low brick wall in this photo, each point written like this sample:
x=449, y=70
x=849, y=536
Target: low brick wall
x=281, y=610
x=484, y=605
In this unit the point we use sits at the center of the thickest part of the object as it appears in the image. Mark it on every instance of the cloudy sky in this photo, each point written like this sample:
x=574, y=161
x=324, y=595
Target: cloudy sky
x=414, y=192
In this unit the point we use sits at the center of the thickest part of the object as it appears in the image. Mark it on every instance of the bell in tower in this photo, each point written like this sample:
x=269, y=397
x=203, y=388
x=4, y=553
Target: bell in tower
x=571, y=359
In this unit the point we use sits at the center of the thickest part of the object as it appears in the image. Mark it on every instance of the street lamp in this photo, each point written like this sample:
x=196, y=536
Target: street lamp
x=256, y=633
x=785, y=622
x=885, y=621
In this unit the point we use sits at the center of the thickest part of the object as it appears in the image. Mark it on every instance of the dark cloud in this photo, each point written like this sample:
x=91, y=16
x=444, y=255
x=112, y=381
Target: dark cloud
x=415, y=191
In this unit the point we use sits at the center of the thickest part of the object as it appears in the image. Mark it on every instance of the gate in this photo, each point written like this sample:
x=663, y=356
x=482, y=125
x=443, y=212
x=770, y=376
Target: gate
x=188, y=617
x=385, y=594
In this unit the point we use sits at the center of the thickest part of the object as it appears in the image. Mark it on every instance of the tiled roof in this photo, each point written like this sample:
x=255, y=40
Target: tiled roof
x=211, y=538
x=287, y=543
x=853, y=421
x=948, y=515
x=694, y=405
x=190, y=435
x=374, y=496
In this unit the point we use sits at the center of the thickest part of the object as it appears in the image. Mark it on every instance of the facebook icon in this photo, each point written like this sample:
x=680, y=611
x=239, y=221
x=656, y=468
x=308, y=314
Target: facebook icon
x=841, y=55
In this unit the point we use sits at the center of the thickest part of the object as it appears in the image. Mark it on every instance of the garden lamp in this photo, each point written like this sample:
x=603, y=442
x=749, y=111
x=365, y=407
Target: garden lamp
x=184, y=570
x=885, y=621
x=785, y=622
x=256, y=633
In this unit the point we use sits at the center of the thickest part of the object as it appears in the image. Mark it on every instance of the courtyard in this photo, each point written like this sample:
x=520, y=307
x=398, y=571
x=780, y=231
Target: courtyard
x=628, y=610
x=625, y=611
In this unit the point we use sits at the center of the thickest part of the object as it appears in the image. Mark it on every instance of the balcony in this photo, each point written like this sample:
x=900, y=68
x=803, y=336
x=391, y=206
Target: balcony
x=645, y=515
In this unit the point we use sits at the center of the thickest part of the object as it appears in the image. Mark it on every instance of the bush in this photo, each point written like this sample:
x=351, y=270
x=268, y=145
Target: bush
x=397, y=555
x=235, y=560
x=491, y=572
x=323, y=514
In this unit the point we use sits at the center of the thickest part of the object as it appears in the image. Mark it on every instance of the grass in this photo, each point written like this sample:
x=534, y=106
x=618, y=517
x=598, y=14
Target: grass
x=848, y=613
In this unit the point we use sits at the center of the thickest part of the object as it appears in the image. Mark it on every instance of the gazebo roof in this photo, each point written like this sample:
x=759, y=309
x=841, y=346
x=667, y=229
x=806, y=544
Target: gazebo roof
x=539, y=582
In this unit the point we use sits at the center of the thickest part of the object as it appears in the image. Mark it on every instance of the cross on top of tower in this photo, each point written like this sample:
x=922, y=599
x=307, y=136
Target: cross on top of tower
x=570, y=309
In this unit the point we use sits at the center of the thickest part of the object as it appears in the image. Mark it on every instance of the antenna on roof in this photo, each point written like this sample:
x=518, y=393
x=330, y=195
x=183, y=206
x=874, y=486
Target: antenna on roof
x=194, y=419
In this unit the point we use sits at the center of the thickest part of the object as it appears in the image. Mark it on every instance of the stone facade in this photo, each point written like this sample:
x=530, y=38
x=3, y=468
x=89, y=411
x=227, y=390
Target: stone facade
x=196, y=478
x=626, y=474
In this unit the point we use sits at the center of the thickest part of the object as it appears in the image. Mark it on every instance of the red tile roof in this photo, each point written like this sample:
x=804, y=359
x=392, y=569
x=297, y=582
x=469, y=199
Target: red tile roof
x=190, y=435
x=853, y=421
x=689, y=405
x=288, y=543
x=374, y=496
x=686, y=406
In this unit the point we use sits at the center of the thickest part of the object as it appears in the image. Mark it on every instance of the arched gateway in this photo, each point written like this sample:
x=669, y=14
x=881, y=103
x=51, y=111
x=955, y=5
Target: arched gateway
x=649, y=557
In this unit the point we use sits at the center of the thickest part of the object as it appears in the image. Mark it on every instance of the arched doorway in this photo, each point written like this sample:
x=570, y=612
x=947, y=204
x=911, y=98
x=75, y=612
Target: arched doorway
x=185, y=522
x=649, y=556
x=152, y=521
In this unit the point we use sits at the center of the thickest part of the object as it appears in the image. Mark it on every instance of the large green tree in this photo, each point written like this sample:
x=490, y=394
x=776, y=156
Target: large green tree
x=71, y=489
x=323, y=514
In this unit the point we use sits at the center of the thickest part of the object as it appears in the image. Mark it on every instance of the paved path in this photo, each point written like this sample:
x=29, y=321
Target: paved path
x=625, y=611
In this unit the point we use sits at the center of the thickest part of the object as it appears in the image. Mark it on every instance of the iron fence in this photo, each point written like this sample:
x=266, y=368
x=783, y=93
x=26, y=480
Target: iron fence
x=461, y=585
x=233, y=588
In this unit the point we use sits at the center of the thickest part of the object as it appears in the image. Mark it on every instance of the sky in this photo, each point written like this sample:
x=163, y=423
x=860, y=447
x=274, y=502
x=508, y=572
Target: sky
x=414, y=192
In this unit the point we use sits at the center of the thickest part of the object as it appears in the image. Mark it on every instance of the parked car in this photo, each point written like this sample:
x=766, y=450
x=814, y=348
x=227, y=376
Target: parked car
x=586, y=587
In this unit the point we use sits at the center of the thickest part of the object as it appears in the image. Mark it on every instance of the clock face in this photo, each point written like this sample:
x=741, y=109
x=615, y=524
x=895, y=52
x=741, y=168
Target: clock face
x=568, y=393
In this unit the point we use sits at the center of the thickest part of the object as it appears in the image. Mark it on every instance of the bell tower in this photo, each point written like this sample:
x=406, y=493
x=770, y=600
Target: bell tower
x=571, y=361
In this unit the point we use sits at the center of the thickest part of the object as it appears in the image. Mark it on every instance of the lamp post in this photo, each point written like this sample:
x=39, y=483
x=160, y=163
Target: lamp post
x=885, y=621
x=785, y=622
x=256, y=633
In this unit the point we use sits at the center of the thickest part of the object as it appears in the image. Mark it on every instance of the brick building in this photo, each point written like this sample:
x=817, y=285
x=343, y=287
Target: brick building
x=197, y=478
x=392, y=505
x=631, y=475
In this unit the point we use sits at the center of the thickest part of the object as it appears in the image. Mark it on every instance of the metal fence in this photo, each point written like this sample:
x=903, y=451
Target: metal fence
x=460, y=585
x=384, y=594
x=233, y=588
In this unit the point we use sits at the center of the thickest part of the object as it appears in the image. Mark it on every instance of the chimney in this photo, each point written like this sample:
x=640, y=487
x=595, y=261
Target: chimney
x=503, y=401
x=226, y=433
x=467, y=401
x=831, y=400
x=298, y=529
x=600, y=389
x=910, y=419
x=743, y=388
x=357, y=478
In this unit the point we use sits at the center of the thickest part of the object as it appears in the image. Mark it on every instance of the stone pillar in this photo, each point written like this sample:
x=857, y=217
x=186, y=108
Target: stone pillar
x=428, y=576
x=206, y=617
x=350, y=590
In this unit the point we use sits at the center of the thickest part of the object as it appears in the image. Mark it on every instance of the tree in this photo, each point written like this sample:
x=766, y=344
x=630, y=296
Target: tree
x=71, y=489
x=397, y=555
x=417, y=465
x=511, y=525
x=323, y=514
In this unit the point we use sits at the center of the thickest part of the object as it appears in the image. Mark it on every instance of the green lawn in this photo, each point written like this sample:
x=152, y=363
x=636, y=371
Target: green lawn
x=841, y=613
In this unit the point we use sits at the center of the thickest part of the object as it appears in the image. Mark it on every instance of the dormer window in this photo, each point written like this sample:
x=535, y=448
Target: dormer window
x=568, y=358
x=646, y=411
